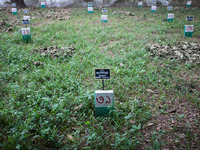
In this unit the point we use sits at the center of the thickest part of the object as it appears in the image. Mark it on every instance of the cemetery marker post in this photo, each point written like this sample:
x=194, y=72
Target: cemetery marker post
x=188, y=29
x=153, y=8
x=90, y=8
x=170, y=16
x=189, y=3
x=104, y=100
x=104, y=17
x=139, y=4
x=43, y=5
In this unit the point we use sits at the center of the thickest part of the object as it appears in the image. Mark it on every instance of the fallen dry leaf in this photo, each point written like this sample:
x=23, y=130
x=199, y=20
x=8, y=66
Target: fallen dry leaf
x=149, y=90
x=70, y=137
x=78, y=107
x=150, y=124
x=132, y=121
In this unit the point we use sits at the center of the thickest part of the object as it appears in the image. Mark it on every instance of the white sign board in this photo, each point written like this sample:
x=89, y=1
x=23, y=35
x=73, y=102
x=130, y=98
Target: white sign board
x=104, y=98
x=26, y=31
x=189, y=2
x=104, y=17
x=42, y=3
x=169, y=7
x=90, y=8
x=171, y=16
x=27, y=18
x=14, y=9
x=139, y=3
x=153, y=7
x=189, y=28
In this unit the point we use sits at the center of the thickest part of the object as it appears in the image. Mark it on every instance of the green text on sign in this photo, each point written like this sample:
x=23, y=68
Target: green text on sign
x=104, y=102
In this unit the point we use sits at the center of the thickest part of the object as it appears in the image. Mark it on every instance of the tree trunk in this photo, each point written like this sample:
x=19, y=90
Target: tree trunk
x=19, y=3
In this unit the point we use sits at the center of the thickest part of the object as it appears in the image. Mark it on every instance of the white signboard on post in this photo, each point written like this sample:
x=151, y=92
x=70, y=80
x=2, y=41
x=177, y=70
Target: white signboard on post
x=104, y=98
x=14, y=9
x=139, y=3
x=27, y=18
x=189, y=2
x=171, y=16
x=26, y=31
x=153, y=7
x=189, y=28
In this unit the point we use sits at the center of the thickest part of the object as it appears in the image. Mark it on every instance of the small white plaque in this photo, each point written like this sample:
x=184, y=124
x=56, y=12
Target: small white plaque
x=139, y=3
x=104, y=17
x=90, y=8
x=27, y=18
x=26, y=31
x=42, y=3
x=153, y=7
x=189, y=2
x=171, y=16
x=189, y=28
x=14, y=9
x=104, y=98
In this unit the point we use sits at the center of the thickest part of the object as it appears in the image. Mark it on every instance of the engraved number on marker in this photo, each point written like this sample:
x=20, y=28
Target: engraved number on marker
x=101, y=100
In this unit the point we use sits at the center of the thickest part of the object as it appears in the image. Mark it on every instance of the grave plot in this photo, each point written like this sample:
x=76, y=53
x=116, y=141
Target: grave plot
x=188, y=52
x=55, y=51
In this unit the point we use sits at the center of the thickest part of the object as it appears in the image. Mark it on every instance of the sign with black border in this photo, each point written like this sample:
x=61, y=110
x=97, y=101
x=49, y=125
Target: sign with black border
x=25, y=21
x=169, y=7
x=102, y=74
x=104, y=10
x=190, y=18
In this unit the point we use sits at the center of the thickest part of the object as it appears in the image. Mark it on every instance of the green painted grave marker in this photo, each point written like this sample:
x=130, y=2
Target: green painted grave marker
x=189, y=3
x=103, y=99
x=139, y=4
x=153, y=9
x=90, y=10
x=43, y=4
x=14, y=11
x=26, y=34
x=170, y=17
x=188, y=30
x=104, y=18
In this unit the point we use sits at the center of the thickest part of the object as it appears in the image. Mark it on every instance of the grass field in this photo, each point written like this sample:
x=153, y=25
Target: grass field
x=51, y=106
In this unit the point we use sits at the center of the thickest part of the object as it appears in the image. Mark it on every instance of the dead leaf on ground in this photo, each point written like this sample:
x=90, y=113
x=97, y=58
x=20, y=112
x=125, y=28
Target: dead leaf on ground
x=70, y=137
x=150, y=124
x=78, y=107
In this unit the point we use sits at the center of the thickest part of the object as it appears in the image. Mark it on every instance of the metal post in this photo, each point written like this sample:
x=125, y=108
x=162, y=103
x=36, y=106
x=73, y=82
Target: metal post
x=103, y=84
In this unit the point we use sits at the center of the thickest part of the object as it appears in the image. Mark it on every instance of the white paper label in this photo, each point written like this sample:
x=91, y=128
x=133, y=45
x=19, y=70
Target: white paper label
x=90, y=8
x=189, y=28
x=171, y=16
x=26, y=31
x=104, y=99
x=14, y=9
x=139, y=3
x=104, y=17
x=153, y=7
x=189, y=2
x=42, y=3
x=27, y=18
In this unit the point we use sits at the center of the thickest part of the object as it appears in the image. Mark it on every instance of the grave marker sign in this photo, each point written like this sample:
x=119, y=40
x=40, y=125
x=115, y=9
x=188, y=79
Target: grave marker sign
x=189, y=18
x=26, y=34
x=90, y=10
x=170, y=17
x=188, y=30
x=169, y=7
x=14, y=5
x=104, y=102
x=14, y=11
x=189, y=3
x=104, y=10
x=43, y=4
x=153, y=8
x=104, y=18
x=25, y=11
x=139, y=4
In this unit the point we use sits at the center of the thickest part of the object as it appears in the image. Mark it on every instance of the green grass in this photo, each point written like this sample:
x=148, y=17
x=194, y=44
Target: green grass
x=37, y=104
